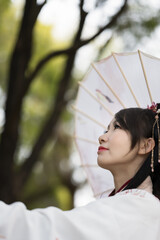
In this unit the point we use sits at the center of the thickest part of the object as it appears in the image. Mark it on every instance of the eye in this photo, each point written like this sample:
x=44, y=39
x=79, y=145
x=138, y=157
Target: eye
x=105, y=131
x=116, y=126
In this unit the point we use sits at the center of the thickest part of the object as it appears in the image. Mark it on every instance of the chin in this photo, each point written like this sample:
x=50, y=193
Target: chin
x=106, y=165
x=102, y=165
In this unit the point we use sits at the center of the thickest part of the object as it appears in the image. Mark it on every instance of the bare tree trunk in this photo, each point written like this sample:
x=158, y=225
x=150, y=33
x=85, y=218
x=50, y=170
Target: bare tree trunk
x=18, y=66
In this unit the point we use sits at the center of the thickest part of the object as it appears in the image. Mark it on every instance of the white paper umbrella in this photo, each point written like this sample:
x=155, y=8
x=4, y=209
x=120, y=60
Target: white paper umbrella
x=120, y=81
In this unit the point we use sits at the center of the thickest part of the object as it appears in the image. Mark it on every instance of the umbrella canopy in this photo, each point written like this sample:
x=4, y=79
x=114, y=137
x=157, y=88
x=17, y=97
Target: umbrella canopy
x=119, y=81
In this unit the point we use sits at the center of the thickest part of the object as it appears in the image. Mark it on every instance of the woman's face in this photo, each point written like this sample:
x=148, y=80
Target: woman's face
x=115, y=147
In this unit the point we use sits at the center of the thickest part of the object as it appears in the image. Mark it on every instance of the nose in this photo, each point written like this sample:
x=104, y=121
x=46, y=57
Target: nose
x=103, y=138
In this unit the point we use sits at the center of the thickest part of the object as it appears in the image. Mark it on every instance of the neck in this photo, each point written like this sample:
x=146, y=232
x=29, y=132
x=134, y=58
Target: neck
x=121, y=177
x=124, y=172
x=119, y=181
x=147, y=185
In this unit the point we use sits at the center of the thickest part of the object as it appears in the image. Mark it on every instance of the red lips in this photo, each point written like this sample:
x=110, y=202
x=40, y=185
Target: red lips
x=102, y=148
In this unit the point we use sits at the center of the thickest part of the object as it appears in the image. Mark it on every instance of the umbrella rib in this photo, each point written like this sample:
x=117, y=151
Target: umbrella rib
x=87, y=116
x=125, y=79
x=91, y=94
x=85, y=140
x=108, y=86
x=145, y=76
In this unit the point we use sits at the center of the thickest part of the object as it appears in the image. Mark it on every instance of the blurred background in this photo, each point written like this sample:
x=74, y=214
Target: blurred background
x=46, y=47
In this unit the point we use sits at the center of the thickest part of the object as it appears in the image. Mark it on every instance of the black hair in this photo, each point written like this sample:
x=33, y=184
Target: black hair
x=139, y=123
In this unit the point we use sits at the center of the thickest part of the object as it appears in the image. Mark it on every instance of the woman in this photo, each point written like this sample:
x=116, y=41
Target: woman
x=131, y=144
x=129, y=149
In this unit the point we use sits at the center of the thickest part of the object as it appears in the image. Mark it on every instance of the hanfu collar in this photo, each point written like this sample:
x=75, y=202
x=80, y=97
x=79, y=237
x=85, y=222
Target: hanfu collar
x=120, y=189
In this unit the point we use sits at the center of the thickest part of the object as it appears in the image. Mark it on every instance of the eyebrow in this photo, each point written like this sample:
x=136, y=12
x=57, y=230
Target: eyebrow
x=110, y=124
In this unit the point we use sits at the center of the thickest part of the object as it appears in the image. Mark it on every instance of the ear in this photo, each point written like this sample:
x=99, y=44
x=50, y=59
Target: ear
x=146, y=145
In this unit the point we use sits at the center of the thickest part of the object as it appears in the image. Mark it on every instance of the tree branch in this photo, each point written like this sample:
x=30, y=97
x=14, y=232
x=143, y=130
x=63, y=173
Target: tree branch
x=75, y=47
x=101, y=50
x=111, y=23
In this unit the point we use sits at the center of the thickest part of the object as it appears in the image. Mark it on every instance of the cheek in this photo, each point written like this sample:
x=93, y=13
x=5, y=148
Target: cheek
x=120, y=143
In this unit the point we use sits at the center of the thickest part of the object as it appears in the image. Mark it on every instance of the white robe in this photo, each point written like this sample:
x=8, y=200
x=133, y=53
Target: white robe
x=130, y=215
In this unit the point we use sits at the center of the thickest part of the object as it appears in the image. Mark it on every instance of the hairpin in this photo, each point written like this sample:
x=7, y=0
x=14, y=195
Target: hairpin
x=153, y=107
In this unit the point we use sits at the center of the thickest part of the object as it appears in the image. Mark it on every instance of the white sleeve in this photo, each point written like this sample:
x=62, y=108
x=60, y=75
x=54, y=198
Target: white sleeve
x=18, y=223
x=103, y=219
